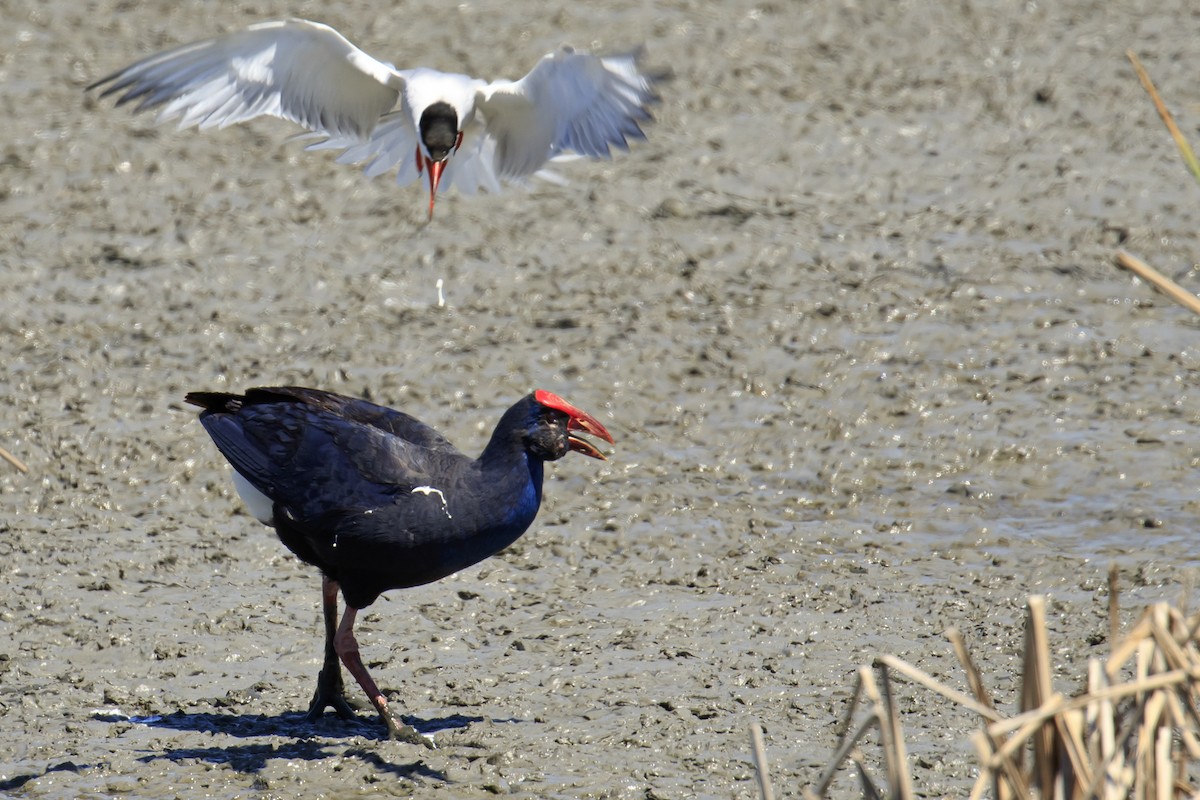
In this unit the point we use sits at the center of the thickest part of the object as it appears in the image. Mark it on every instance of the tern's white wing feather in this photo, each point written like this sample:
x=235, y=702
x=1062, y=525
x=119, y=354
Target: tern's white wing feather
x=302, y=71
x=568, y=101
x=393, y=143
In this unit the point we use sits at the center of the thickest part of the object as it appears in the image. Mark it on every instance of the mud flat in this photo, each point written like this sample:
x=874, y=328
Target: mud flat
x=850, y=313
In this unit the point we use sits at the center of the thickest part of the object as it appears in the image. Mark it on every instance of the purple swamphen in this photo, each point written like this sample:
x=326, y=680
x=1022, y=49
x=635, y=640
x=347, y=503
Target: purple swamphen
x=378, y=500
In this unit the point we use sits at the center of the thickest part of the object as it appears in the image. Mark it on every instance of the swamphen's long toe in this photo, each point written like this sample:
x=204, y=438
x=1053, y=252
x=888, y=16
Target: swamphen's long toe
x=330, y=693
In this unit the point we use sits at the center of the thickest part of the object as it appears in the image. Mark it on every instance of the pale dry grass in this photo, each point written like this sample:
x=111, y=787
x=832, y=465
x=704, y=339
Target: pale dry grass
x=1134, y=731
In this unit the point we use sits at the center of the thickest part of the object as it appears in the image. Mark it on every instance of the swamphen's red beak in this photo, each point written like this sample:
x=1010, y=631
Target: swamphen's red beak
x=578, y=420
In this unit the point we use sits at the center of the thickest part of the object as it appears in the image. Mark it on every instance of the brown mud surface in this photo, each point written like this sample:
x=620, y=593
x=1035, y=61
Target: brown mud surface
x=851, y=314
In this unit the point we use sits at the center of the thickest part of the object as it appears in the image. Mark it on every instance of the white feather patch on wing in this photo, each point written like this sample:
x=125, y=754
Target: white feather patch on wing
x=259, y=504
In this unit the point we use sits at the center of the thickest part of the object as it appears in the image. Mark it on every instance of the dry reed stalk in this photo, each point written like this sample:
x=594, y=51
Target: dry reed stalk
x=1183, y=715
x=897, y=752
x=1147, y=736
x=974, y=677
x=1023, y=727
x=882, y=712
x=760, y=762
x=1161, y=282
x=869, y=790
x=16, y=462
x=1070, y=733
x=1013, y=784
x=984, y=748
x=846, y=743
x=1036, y=690
x=929, y=682
x=1193, y=628
x=1164, y=765
x=1125, y=648
x=855, y=698
x=1104, y=751
x=1168, y=650
x=1181, y=141
x=1114, y=606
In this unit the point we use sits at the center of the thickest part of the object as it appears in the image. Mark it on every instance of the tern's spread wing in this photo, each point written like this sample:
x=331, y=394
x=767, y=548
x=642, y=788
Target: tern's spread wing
x=302, y=71
x=568, y=101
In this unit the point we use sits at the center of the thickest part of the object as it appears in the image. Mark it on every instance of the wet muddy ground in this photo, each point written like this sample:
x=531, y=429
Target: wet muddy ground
x=851, y=314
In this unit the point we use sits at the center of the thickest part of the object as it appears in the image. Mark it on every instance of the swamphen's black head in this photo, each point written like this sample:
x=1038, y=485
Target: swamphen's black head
x=545, y=426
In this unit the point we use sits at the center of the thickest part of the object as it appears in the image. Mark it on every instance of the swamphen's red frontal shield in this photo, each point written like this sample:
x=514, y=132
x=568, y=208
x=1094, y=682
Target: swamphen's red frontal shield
x=378, y=500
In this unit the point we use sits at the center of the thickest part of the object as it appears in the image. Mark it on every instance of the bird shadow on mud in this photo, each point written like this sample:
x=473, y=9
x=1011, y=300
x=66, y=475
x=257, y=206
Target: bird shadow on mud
x=313, y=741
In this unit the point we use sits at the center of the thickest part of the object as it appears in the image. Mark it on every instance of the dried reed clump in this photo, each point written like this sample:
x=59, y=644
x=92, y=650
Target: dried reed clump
x=1134, y=732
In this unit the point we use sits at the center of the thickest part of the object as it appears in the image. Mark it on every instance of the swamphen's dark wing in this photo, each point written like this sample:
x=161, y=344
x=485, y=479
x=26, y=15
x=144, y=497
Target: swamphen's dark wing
x=315, y=453
x=385, y=419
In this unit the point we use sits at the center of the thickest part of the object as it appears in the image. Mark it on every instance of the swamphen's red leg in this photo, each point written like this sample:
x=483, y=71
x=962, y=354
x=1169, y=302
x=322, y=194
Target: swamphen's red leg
x=330, y=691
x=347, y=647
